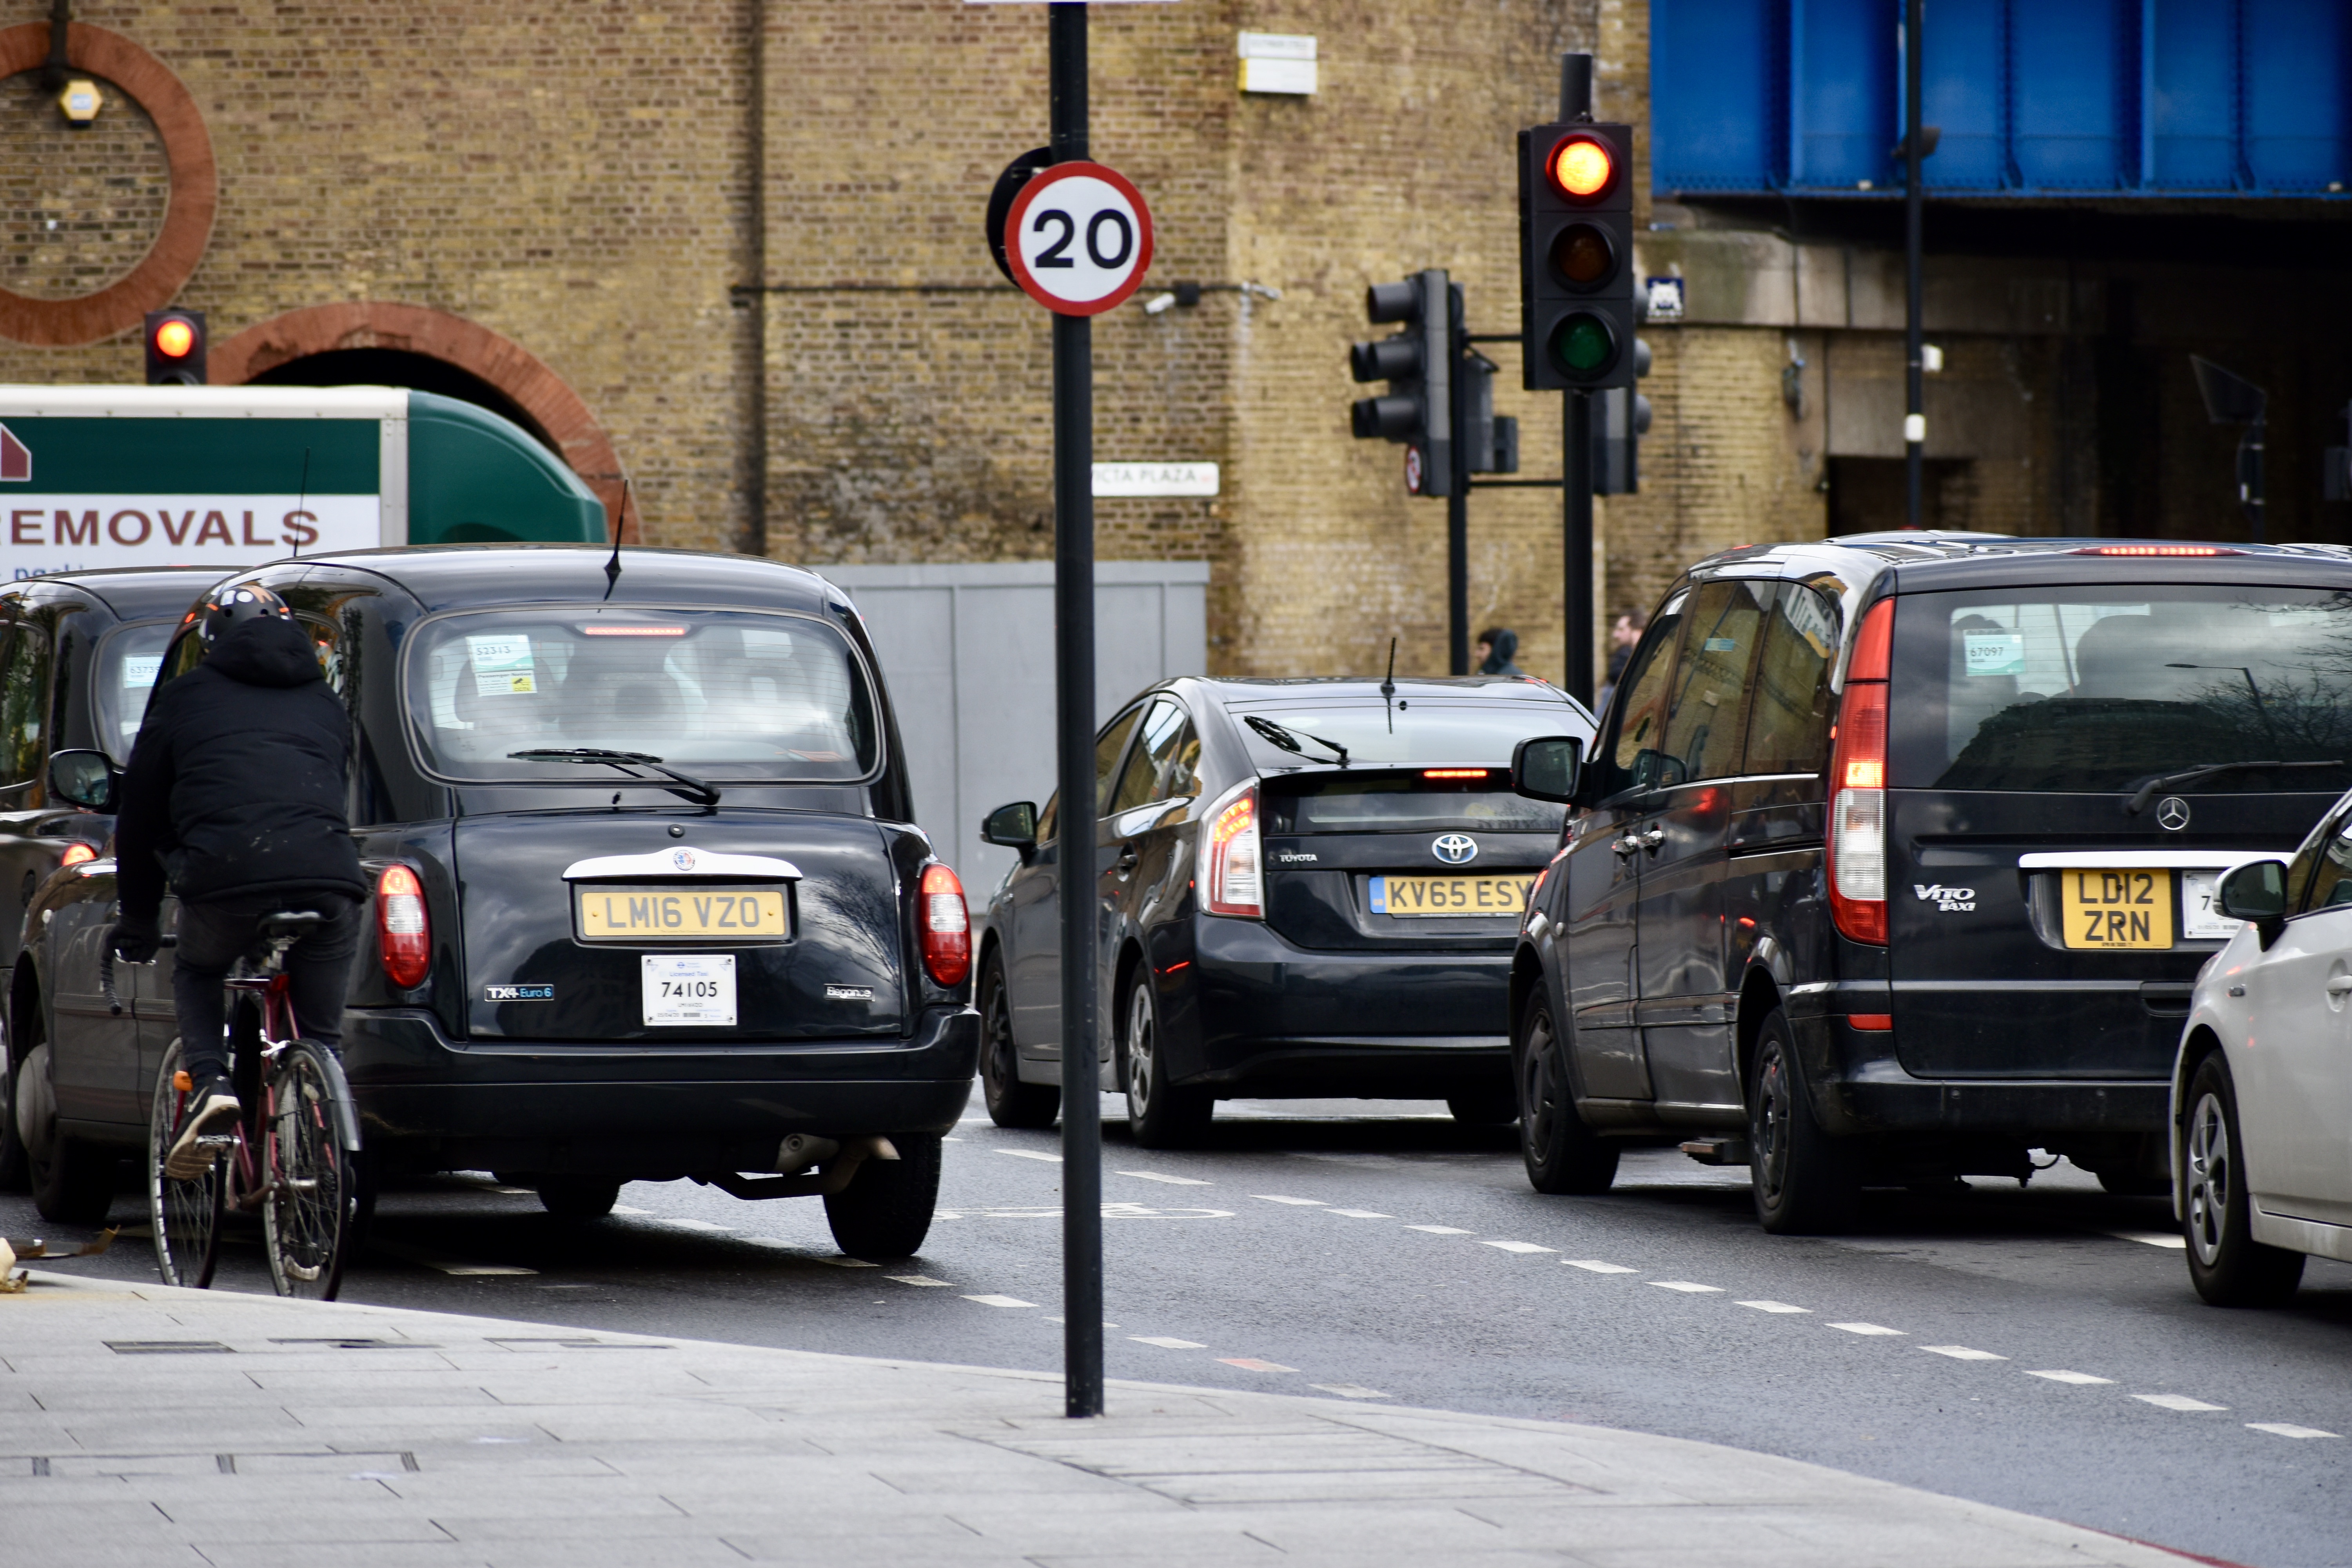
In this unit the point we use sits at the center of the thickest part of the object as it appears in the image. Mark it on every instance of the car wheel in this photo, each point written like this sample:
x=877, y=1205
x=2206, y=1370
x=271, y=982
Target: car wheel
x=1563, y=1156
x=73, y=1182
x=1487, y=1107
x=13, y=1168
x=1160, y=1114
x=2227, y=1265
x=579, y=1197
x=1010, y=1102
x=885, y=1210
x=1806, y=1182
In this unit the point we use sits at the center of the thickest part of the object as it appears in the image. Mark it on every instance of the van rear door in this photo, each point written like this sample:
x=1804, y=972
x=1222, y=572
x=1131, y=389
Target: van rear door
x=2038, y=926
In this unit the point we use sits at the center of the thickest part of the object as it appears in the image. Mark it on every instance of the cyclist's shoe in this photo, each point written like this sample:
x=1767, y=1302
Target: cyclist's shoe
x=211, y=1106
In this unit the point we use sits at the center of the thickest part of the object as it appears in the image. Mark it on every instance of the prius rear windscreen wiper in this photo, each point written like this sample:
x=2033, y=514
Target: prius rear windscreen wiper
x=1289, y=739
x=2147, y=792
x=687, y=787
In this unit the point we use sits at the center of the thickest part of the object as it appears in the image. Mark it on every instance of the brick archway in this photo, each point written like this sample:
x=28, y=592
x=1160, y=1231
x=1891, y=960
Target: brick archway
x=187, y=227
x=421, y=330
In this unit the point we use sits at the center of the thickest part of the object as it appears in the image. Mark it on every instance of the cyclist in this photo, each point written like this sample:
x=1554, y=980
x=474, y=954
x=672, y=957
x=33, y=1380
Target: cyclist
x=234, y=791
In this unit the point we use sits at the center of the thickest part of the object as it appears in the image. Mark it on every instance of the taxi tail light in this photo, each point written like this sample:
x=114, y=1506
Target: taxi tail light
x=76, y=854
x=1857, y=836
x=946, y=927
x=404, y=932
x=1234, y=856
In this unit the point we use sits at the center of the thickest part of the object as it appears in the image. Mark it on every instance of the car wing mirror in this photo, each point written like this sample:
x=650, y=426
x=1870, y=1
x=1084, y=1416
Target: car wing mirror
x=1014, y=827
x=2255, y=892
x=1546, y=767
x=83, y=777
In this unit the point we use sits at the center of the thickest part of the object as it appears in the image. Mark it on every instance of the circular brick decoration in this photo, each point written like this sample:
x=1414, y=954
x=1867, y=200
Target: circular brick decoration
x=187, y=228
x=419, y=329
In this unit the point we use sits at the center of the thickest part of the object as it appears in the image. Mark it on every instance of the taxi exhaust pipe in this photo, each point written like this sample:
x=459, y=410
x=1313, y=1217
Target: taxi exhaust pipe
x=836, y=1162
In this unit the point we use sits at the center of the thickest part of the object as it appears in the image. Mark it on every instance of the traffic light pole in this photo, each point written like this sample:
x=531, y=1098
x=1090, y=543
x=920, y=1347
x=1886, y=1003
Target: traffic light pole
x=1457, y=498
x=1576, y=458
x=1915, y=416
x=1074, y=668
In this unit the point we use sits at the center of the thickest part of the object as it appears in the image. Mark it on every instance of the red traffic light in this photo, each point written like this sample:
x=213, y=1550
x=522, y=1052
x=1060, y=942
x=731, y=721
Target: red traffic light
x=176, y=348
x=1580, y=167
x=175, y=339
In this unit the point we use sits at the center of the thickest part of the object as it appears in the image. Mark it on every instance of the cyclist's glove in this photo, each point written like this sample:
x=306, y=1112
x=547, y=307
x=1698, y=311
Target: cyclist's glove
x=134, y=943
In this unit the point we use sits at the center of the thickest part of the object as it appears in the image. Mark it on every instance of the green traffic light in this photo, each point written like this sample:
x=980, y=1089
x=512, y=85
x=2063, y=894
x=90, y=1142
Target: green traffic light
x=1583, y=345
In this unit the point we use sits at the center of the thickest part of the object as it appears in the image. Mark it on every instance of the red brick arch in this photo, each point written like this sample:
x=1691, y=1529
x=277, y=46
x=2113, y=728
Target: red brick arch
x=187, y=228
x=421, y=330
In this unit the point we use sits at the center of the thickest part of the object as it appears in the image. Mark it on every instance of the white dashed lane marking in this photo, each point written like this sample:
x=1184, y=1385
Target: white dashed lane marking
x=696, y=1224
x=920, y=1280
x=1299, y=1203
x=1442, y=1229
x=1031, y=1154
x=2171, y=1238
x=1516, y=1246
x=2176, y=1402
x=1774, y=1307
x=2083, y=1378
x=1000, y=1301
x=457, y=1266
x=1687, y=1287
x=1867, y=1329
x=1359, y=1213
x=2286, y=1429
x=1348, y=1390
x=1164, y=1343
x=1172, y=1181
x=1251, y=1364
x=1962, y=1353
x=1593, y=1266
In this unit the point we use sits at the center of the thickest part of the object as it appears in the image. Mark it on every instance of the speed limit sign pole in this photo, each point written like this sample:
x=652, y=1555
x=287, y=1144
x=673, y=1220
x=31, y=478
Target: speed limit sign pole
x=1077, y=238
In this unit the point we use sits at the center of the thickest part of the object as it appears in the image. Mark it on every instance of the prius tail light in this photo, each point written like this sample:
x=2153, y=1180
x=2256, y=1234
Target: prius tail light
x=1233, y=856
x=1857, y=835
x=404, y=932
x=947, y=926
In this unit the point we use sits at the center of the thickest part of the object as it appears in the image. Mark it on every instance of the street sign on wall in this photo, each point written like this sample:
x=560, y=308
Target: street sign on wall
x=1078, y=238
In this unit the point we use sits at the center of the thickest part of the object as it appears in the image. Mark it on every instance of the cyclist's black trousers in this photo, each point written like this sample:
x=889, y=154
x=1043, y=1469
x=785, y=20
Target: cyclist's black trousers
x=213, y=937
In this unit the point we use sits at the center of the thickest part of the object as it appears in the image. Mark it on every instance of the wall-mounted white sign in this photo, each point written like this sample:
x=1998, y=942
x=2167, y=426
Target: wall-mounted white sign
x=1155, y=479
x=1278, y=62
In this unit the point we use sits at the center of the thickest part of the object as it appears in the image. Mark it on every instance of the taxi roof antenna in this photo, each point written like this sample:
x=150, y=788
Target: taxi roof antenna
x=302, y=499
x=612, y=567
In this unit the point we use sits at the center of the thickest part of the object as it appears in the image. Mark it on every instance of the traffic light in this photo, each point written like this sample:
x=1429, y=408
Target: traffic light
x=1490, y=442
x=1620, y=417
x=1417, y=363
x=176, y=348
x=1576, y=257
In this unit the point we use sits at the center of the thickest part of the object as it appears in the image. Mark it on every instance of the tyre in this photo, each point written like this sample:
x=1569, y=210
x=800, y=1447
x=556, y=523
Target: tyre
x=1160, y=1114
x=1806, y=1182
x=305, y=1217
x=1563, y=1156
x=579, y=1197
x=73, y=1182
x=2227, y=1265
x=885, y=1210
x=1010, y=1102
x=1486, y=1107
x=185, y=1216
x=15, y=1170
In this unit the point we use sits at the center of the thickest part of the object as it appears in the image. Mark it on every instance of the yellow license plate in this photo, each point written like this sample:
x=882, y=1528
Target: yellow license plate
x=2117, y=908
x=1504, y=895
x=680, y=914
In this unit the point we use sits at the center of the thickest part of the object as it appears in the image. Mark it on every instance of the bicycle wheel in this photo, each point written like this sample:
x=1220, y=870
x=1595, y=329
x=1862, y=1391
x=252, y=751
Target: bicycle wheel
x=185, y=1216
x=308, y=1211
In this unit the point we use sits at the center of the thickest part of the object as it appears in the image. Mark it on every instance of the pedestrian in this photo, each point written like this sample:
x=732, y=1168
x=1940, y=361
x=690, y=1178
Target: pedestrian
x=233, y=796
x=1496, y=647
x=1624, y=636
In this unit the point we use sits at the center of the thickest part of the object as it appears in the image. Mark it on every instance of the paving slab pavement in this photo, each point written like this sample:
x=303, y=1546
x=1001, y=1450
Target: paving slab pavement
x=146, y=1424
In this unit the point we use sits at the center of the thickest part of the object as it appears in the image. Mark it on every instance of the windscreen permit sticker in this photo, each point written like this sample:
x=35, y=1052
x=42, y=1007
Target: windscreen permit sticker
x=1994, y=652
x=502, y=666
x=139, y=670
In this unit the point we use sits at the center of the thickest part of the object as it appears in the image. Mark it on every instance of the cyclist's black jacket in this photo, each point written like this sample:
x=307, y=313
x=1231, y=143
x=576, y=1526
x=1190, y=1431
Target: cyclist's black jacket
x=236, y=782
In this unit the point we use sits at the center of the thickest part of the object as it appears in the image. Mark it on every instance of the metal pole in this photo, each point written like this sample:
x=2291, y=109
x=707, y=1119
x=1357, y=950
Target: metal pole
x=1457, y=498
x=1915, y=199
x=1074, y=667
x=1576, y=458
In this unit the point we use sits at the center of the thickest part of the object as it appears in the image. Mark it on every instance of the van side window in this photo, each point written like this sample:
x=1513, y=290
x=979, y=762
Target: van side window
x=1706, y=720
x=23, y=703
x=1633, y=758
x=1789, y=721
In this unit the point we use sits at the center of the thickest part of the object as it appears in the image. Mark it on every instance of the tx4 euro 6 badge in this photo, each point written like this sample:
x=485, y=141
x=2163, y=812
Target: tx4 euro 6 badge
x=1946, y=899
x=517, y=993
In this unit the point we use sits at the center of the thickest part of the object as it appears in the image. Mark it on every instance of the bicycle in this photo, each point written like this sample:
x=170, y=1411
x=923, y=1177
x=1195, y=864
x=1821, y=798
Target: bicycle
x=292, y=1153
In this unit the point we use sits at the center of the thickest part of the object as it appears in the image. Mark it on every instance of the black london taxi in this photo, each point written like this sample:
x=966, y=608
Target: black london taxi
x=1895, y=857
x=1309, y=887
x=649, y=900
x=78, y=652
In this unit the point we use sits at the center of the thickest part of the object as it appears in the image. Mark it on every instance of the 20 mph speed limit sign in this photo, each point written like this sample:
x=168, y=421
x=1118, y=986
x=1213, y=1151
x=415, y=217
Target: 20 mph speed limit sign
x=1078, y=238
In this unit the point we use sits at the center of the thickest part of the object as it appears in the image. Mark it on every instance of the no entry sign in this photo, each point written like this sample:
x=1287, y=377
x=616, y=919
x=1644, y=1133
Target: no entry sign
x=1078, y=238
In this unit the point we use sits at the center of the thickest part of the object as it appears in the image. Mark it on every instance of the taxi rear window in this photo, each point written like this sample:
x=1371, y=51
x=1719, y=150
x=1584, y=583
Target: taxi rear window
x=723, y=694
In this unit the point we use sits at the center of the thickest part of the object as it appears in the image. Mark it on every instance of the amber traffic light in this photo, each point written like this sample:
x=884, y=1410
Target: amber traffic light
x=176, y=348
